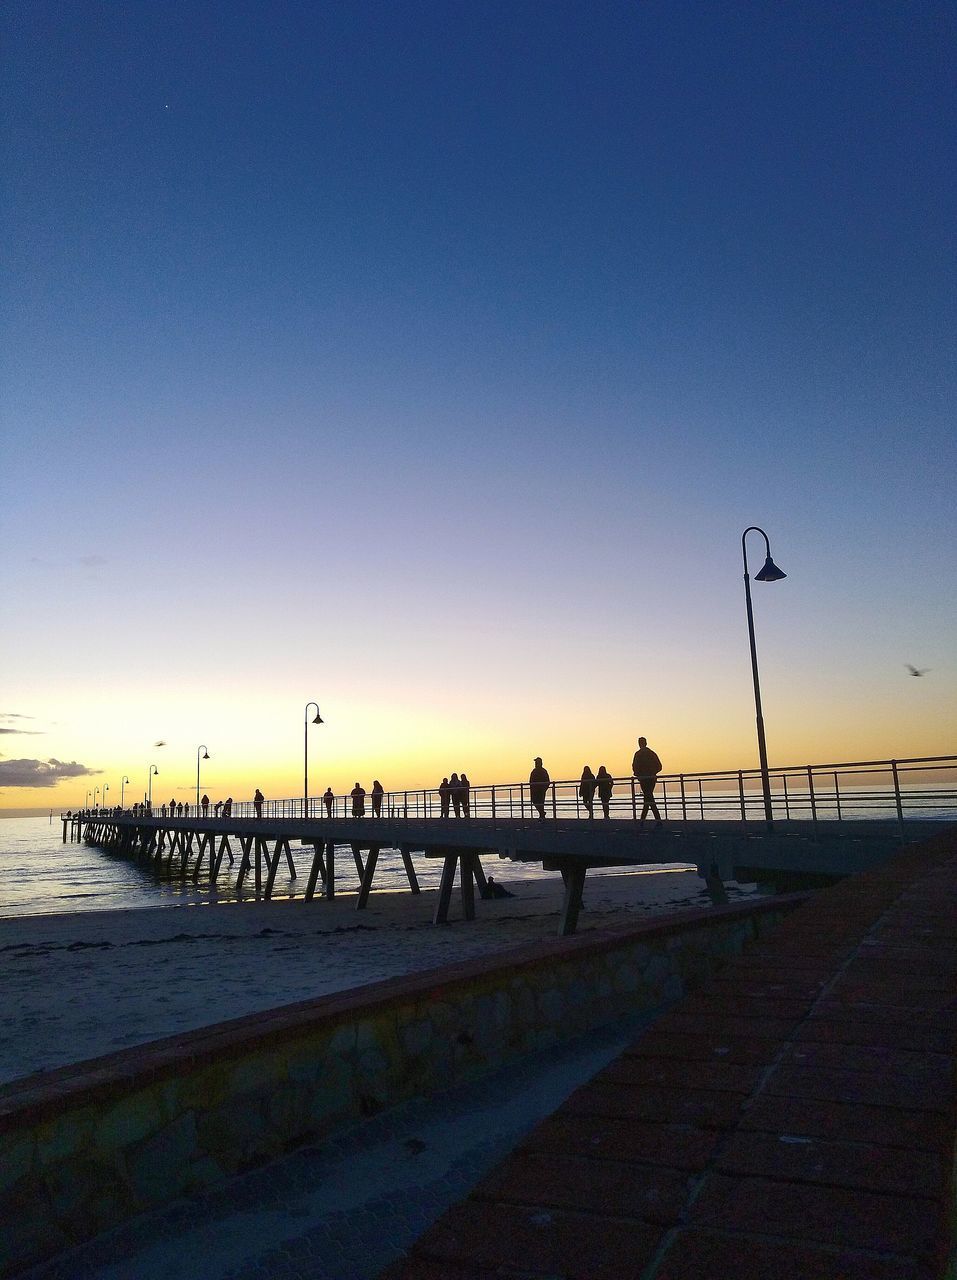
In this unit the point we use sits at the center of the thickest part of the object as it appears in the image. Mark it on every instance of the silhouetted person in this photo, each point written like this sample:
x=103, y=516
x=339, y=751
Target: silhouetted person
x=465, y=788
x=445, y=797
x=378, y=792
x=217, y=808
x=586, y=789
x=328, y=799
x=258, y=799
x=495, y=890
x=455, y=786
x=228, y=807
x=358, y=794
x=205, y=804
x=604, y=783
x=646, y=766
x=179, y=809
x=538, y=783
x=172, y=809
x=163, y=811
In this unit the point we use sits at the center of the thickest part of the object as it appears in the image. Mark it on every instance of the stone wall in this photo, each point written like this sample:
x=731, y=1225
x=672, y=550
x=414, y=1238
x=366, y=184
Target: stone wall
x=87, y=1146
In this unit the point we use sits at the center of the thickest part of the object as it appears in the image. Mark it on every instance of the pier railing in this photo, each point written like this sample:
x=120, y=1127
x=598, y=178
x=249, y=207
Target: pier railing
x=922, y=787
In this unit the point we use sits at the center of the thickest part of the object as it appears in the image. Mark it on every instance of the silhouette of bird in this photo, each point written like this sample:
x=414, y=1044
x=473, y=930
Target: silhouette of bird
x=161, y=743
x=914, y=670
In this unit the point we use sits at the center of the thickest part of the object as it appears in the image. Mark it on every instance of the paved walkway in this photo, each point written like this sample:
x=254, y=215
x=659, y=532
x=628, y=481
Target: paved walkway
x=794, y=1118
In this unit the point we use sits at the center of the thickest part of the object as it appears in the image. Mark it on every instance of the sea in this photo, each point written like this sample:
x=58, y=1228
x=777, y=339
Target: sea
x=40, y=875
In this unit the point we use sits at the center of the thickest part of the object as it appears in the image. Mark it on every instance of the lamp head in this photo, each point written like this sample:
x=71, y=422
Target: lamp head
x=205, y=755
x=770, y=572
x=318, y=719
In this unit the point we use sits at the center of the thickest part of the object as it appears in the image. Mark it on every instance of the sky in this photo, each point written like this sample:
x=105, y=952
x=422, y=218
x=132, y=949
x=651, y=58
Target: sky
x=429, y=361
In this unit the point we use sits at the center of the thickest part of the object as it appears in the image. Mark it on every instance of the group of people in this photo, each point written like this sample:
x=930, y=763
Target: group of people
x=645, y=766
x=455, y=793
x=358, y=796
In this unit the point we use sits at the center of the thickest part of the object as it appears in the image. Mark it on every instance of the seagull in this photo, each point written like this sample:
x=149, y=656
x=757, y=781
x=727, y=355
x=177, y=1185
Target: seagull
x=914, y=670
x=161, y=743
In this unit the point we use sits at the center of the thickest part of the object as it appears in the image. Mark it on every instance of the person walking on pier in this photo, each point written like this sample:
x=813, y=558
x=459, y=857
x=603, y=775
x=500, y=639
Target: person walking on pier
x=172, y=809
x=586, y=789
x=377, y=793
x=328, y=799
x=646, y=766
x=465, y=788
x=205, y=804
x=455, y=787
x=217, y=808
x=358, y=794
x=228, y=807
x=258, y=799
x=605, y=784
x=538, y=784
x=445, y=797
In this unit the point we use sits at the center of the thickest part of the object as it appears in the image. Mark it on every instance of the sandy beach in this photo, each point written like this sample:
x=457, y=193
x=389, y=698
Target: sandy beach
x=79, y=985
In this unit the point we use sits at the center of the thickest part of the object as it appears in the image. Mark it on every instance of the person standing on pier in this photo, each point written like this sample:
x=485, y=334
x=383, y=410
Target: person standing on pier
x=228, y=807
x=258, y=799
x=455, y=787
x=216, y=808
x=586, y=789
x=205, y=804
x=328, y=799
x=377, y=793
x=538, y=784
x=605, y=783
x=358, y=794
x=646, y=766
x=465, y=788
x=445, y=797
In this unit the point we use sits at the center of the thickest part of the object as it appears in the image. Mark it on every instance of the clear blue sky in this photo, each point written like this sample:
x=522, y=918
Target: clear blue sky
x=429, y=360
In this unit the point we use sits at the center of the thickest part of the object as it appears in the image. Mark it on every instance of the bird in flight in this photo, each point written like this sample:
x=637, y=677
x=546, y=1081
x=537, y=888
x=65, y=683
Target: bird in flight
x=922, y=671
x=161, y=743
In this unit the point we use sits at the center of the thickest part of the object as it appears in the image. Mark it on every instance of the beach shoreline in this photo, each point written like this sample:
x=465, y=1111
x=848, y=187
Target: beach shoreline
x=82, y=984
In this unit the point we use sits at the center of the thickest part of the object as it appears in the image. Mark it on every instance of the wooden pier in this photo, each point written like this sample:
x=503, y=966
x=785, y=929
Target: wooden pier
x=254, y=849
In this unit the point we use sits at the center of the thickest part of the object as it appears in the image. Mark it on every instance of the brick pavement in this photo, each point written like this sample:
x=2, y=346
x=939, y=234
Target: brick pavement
x=794, y=1117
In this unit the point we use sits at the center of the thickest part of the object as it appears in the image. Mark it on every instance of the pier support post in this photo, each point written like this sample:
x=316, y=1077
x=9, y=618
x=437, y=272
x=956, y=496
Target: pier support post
x=441, y=915
x=330, y=869
x=366, y=885
x=317, y=869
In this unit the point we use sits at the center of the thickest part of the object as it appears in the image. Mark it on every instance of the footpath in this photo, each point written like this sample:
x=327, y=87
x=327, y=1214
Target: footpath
x=794, y=1117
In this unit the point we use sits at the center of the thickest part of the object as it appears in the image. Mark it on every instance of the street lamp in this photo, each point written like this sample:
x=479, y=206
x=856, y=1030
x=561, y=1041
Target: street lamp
x=770, y=573
x=95, y=794
x=87, y=805
x=123, y=781
x=106, y=787
x=149, y=796
x=204, y=756
x=305, y=755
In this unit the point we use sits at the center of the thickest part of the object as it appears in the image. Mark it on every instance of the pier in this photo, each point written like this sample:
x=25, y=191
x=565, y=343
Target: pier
x=829, y=821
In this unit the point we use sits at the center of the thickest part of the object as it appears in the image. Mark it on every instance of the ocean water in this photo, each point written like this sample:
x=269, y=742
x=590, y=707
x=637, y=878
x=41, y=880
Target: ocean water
x=39, y=875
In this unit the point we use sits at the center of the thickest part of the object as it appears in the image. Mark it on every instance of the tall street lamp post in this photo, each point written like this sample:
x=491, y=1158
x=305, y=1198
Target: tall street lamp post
x=204, y=756
x=106, y=787
x=149, y=795
x=305, y=755
x=96, y=792
x=770, y=573
x=123, y=781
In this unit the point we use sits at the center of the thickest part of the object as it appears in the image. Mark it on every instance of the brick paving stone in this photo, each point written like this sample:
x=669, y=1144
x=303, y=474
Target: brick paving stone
x=868, y=1088
x=935, y=1069
x=884, y=1126
x=602, y=1187
x=709, y=1255
x=777, y=1029
x=708, y=1108
x=729, y=1077
x=819, y=1215
x=573, y=1246
x=677, y=1146
x=877, y=1031
x=719, y=1001
x=705, y=1048
x=840, y=1164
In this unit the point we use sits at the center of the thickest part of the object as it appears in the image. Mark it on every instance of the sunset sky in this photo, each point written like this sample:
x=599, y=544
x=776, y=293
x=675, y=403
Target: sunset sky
x=428, y=361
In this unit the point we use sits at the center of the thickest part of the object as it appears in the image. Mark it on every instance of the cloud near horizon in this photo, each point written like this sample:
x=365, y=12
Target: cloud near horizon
x=41, y=773
x=6, y=716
